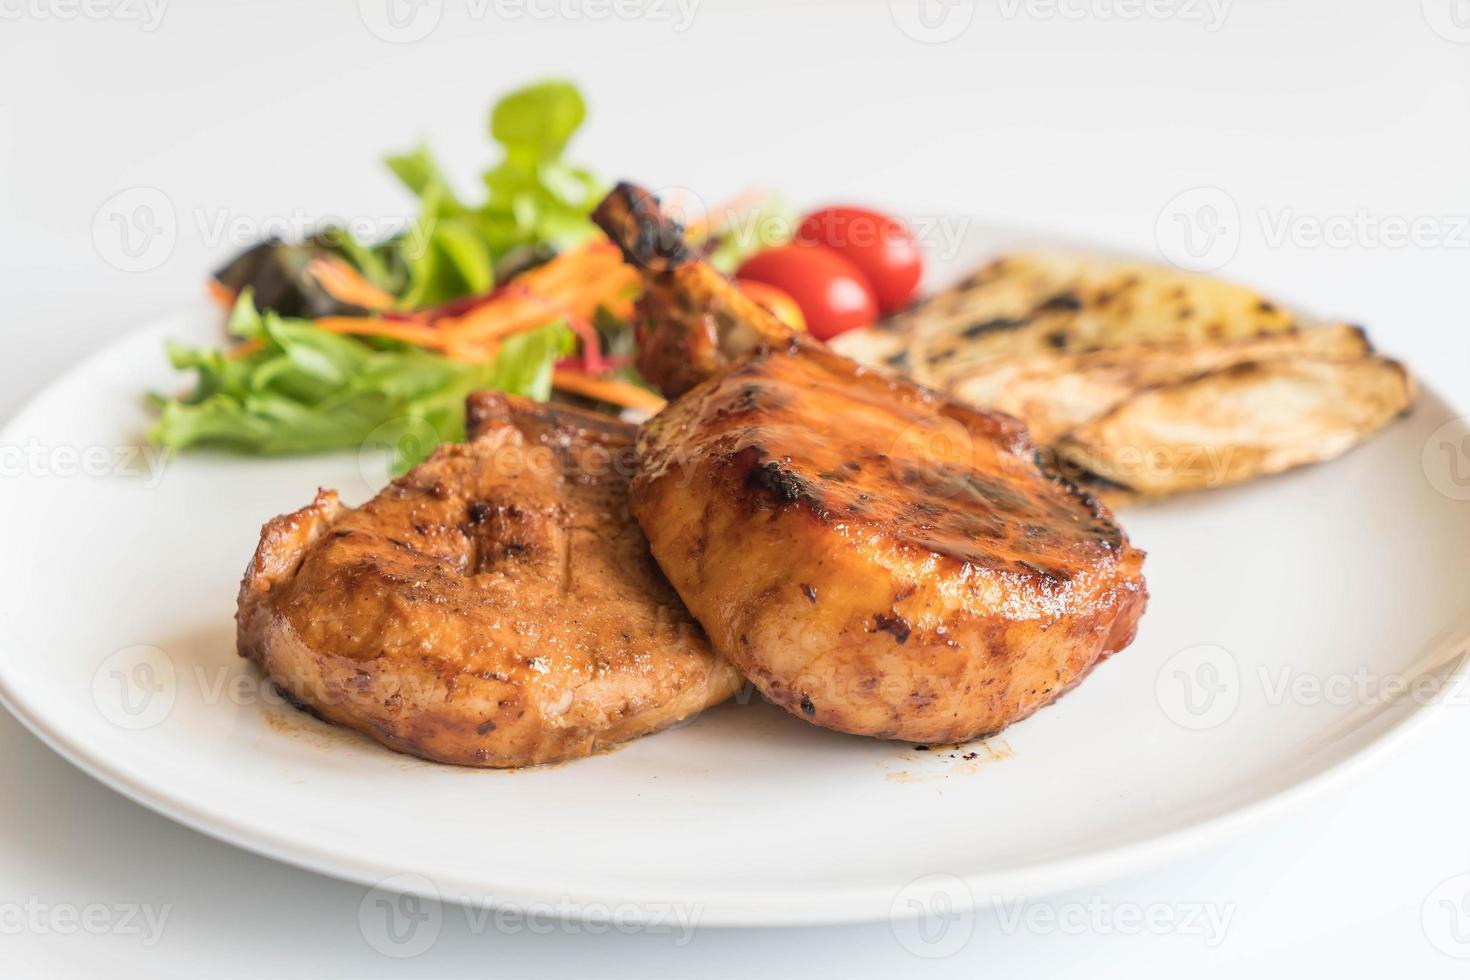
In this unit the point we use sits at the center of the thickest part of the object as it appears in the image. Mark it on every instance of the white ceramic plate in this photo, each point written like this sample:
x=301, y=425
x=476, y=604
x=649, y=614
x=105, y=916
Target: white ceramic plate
x=1287, y=617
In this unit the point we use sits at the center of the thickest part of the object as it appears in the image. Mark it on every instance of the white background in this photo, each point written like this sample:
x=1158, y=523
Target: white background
x=1071, y=116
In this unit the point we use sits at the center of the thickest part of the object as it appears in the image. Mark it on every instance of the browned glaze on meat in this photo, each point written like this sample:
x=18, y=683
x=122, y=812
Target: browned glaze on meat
x=876, y=559
x=692, y=324
x=497, y=606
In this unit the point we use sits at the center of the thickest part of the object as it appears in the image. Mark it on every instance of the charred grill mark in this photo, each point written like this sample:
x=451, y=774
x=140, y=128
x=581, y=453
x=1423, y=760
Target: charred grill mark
x=996, y=492
x=1063, y=302
x=749, y=398
x=1105, y=530
x=992, y=325
x=497, y=532
x=648, y=238
x=780, y=483
x=754, y=397
x=894, y=624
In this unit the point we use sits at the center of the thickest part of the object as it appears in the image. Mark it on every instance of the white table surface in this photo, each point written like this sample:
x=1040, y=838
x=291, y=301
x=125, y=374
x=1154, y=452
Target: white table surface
x=1069, y=115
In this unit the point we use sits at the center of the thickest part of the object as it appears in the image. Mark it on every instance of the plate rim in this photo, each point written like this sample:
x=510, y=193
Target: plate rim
x=718, y=907
x=745, y=908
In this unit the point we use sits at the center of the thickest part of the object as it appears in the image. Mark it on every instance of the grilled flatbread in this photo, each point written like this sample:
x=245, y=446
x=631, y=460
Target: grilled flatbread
x=1055, y=392
x=1094, y=353
x=1241, y=422
x=1055, y=302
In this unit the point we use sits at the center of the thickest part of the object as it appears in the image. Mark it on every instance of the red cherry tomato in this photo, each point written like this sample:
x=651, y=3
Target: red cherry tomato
x=776, y=302
x=878, y=245
x=832, y=293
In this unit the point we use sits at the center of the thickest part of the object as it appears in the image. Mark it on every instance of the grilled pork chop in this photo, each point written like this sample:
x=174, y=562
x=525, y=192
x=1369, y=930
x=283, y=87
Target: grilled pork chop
x=877, y=560
x=497, y=606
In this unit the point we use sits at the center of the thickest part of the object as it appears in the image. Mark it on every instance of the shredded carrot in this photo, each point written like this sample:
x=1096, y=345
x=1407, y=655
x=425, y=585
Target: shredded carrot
x=572, y=271
x=245, y=348
x=571, y=287
x=501, y=318
x=613, y=284
x=405, y=330
x=346, y=285
x=472, y=352
x=222, y=295
x=607, y=390
x=523, y=306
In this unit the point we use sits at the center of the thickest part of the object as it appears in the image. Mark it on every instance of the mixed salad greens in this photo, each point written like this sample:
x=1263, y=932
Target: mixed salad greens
x=339, y=343
x=332, y=338
x=302, y=389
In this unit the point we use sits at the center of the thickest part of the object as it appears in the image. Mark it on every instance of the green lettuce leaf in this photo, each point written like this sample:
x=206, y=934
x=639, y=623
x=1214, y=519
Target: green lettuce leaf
x=538, y=120
x=307, y=390
x=532, y=198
